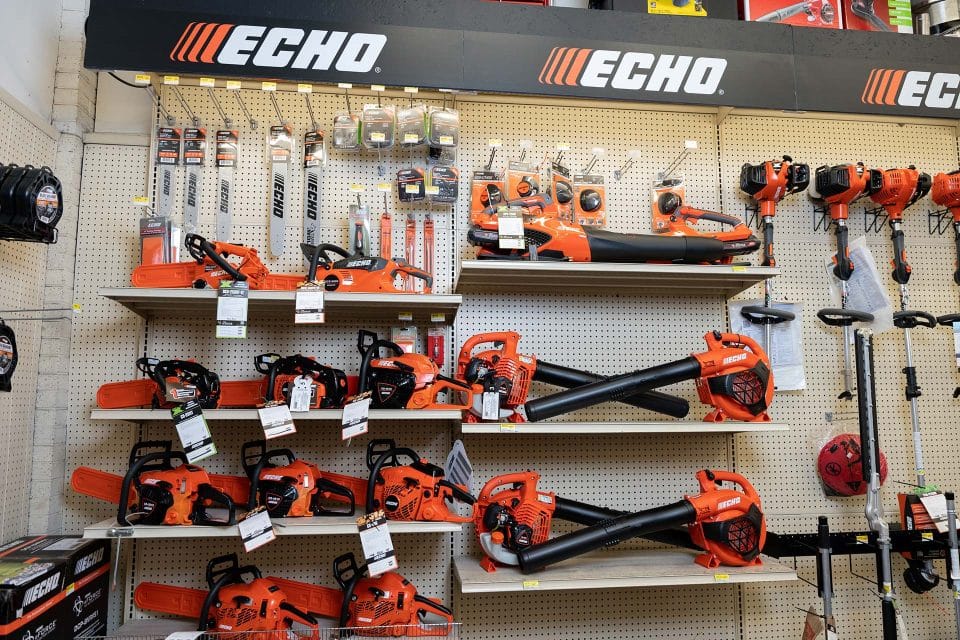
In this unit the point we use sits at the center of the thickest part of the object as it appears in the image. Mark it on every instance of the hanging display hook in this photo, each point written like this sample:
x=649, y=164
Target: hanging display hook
x=227, y=122
x=276, y=107
x=156, y=98
x=186, y=107
x=688, y=147
x=313, y=119
x=632, y=156
x=597, y=152
x=246, y=113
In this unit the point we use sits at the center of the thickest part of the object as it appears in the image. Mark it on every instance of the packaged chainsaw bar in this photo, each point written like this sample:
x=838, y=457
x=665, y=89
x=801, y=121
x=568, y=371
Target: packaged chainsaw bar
x=194, y=157
x=167, y=159
x=314, y=157
x=227, y=151
x=280, y=143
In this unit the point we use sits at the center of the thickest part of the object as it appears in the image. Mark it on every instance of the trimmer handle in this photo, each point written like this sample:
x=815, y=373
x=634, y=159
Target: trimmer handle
x=758, y=314
x=843, y=317
x=200, y=248
x=911, y=319
x=948, y=319
x=710, y=479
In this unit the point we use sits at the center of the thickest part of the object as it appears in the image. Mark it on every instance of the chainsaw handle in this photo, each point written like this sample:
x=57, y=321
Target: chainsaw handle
x=372, y=352
x=297, y=615
x=370, y=504
x=325, y=485
x=409, y=270
x=843, y=317
x=135, y=452
x=911, y=319
x=265, y=362
x=211, y=493
x=510, y=339
x=710, y=479
x=427, y=605
x=459, y=493
x=132, y=477
x=147, y=366
x=347, y=573
x=316, y=253
x=199, y=247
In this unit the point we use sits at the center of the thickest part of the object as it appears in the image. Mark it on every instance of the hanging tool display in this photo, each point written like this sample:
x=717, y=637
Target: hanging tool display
x=155, y=491
x=314, y=159
x=767, y=184
x=280, y=146
x=31, y=203
x=406, y=380
x=227, y=153
x=194, y=157
x=839, y=466
x=867, y=408
x=513, y=514
x=837, y=187
x=413, y=491
x=241, y=600
x=410, y=246
x=504, y=371
x=358, y=219
x=733, y=376
x=946, y=193
x=168, y=383
x=726, y=523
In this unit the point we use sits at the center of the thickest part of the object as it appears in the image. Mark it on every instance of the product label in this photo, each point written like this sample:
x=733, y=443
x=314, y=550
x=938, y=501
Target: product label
x=313, y=153
x=356, y=418
x=168, y=145
x=193, y=431
x=47, y=204
x=376, y=543
x=232, y=309
x=227, y=148
x=194, y=146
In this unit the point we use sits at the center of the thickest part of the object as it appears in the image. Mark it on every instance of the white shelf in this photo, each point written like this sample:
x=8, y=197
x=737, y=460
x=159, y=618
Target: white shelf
x=241, y=415
x=684, y=279
x=596, y=428
x=387, y=307
x=614, y=569
x=315, y=526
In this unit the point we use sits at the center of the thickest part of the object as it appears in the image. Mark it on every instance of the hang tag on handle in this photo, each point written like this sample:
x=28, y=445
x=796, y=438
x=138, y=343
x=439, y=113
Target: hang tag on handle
x=301, y=395
x=377, y=545
x=232, y=298
x=308, y=305
x=491, y=406
x=356, y=417
x=510, y=228
x=276, y=420
x=256, y=530
x=193, y=431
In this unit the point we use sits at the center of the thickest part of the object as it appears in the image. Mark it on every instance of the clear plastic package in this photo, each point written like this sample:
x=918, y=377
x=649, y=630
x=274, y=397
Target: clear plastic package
x=412, y=125
x=443, y=127
x=346, y=132
x=378, y=126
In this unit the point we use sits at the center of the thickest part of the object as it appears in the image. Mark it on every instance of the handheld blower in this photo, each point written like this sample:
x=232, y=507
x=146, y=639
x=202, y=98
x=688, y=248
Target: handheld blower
x=733, y=375
x=946, y=193
x=726, y=523
x=504, y=371
x=671, y=217
x=156, y=491
x=837, y=187
x=167, y=384
x=767, y=184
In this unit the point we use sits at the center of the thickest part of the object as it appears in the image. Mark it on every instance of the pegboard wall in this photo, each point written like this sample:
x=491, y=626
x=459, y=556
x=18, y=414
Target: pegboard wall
x=606, y=332
x=24, y=264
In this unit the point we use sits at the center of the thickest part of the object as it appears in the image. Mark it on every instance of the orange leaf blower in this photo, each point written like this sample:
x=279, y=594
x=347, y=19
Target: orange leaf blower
x=733, y=375
x=503, y=371
x=406, y=380
x=672, y=217
x=413, y=491
x=726, y=523
x=155, y=491
x=168, y=384
x=239, y=600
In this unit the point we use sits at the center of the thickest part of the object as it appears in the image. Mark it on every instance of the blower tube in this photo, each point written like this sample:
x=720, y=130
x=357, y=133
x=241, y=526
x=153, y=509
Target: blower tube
x=616, y=388
x=588, y=514
x=560, y=376
x=610, y=532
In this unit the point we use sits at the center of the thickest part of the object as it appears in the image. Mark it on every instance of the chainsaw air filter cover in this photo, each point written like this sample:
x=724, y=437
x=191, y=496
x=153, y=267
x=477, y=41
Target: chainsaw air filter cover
x=840, y=468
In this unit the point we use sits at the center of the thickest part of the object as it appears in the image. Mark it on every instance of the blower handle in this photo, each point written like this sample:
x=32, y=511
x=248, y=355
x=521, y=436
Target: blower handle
x=510, y=339
x=709, y=480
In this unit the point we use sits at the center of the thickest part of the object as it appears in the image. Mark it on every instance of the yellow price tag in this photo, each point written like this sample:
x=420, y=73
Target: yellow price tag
x=446, y=140
x=384, y=187
x=438, y=317
x=721, y=577
x=411, y=90
x=738, y=269
x=142, y=78
x=496, y=143
x=377, y=87
x=863, y=539
x=411, y=188
x=378, y=136
x=508, y=427
x=76, y=307
x=926, y=535
x=304, y=87
x=345, y=85
x=233, y=85
x=141, y=200
x=268, y=85
x=208, y=82
x=410, y=138
x=356, y=188
x=405, y=316
x=174, y=80
x=531, y=584
x=433, y=190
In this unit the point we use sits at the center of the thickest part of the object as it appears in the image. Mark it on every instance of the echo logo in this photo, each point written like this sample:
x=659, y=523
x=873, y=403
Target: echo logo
x=899, y=87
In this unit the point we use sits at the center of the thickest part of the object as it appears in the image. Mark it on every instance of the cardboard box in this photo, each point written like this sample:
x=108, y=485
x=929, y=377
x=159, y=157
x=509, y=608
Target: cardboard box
x=887, y=15
x=825, y=14
x=53, y=587
x=724, y=9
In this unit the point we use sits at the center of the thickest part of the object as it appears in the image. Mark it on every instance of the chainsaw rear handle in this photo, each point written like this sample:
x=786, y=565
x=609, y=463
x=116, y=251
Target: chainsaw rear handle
x=407, y=269
x=371, y=352
x=133, y=474
x=325, y=485
x=759, y=314
x=315, y=253
x=206, y=492
x=199, y=248
x=912, y=319
x=843, y=317
x=458, y=492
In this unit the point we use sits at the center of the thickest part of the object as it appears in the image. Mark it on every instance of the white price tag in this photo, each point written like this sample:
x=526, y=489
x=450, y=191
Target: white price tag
x=276, y=421
x=301, y=395
x=378, y=136
x=308, y=305
x=232, y=309
x=193, y=431
x=185, y=635
x=376, y=543
x=510, y=228
x=491, y=405
x=356, y=418
x=256, y=530
x=935, y=505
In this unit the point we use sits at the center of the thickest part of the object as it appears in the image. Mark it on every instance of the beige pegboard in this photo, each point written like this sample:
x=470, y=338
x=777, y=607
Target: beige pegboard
x=24, y=269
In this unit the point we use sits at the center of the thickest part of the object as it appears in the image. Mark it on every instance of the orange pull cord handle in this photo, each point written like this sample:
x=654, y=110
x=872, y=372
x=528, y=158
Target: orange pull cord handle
x=510, y=340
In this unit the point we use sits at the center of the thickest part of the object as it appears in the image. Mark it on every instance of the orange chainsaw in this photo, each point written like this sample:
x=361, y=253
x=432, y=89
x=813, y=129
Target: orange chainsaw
x=726, y=523
x=406, y=380
x=168, y=383
x=733, y=376
x=157, y=492
x=384, y=606
x=360, y=273
x=549, y=238
x=328, y=385
x=503, y=371
x=414, y=491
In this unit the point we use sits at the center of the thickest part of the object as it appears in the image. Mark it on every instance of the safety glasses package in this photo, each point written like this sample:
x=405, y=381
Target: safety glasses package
x=346, y=132
x=443, y=127
x=411, y=125
x=443, y=181
x=378, y=127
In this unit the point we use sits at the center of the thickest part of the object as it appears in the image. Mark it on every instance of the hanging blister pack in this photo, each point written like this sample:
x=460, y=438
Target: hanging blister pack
x=443, y=127
x=411, y=125
x=167, y=159
x=378, y=126
x=359, y=220
x=561, y=190
x=411, y=185
x=280, y=144
x=194, y=157
x=589, y=200
x=346, y=132
x=8, y=356
x=445, y=181
x=227, y=146
x=314, y=157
